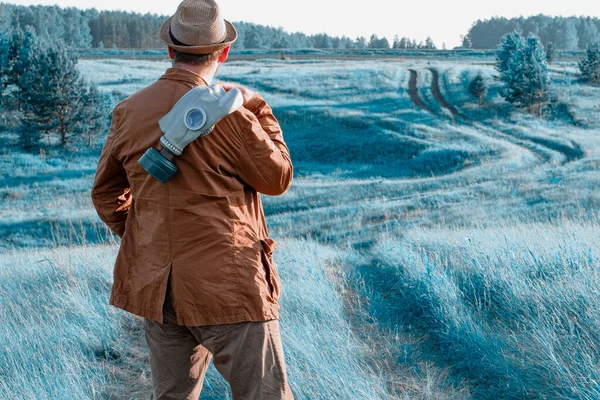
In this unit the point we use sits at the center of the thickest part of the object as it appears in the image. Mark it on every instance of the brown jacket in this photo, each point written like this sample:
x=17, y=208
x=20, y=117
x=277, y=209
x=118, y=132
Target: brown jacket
x=206, y=227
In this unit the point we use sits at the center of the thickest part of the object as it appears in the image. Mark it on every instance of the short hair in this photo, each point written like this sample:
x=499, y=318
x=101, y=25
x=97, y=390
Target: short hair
x=196, y=59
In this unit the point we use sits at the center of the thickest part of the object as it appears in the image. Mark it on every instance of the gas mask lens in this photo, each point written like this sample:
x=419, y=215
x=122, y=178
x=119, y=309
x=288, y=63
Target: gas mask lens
x=195, y=119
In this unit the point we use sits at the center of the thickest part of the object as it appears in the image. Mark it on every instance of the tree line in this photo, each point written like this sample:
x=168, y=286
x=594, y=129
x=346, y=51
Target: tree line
x=566, y=33
x=126, y=30
x=91, y=28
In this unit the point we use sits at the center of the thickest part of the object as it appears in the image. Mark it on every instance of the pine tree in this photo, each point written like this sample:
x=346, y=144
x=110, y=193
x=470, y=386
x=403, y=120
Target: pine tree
x=335, y=42
x=537, y=79
x=17, y=51
x=347, y=43
x=466, y=42
x=93, y=114
x=22, y=50
x=322, y=41
x=509, y=64
x=566, y=36
x=511, y=45
x=282, y=42
x=383, y=43
x=52, y=93
x=361, y=42
x=478, y=87
x=590, y=65
x=374, y=42
x=429, y=43
x=588, y=33
x=523, y=70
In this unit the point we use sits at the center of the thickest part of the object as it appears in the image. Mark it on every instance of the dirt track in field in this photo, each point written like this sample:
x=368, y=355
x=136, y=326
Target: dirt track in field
x=437, y=94
x=413, y=92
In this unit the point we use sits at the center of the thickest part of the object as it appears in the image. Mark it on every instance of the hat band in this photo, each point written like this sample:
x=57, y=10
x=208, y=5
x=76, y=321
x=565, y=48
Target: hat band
x=174, y=39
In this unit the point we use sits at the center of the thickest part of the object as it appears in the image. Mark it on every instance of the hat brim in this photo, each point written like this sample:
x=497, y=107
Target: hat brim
x=230, y=37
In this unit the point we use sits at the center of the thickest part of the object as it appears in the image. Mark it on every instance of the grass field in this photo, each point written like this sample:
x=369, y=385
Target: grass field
x=430, y=247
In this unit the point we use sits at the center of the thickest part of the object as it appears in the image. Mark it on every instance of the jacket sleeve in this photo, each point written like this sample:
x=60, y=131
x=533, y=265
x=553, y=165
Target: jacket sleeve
x=264, y=162
x=110, y=191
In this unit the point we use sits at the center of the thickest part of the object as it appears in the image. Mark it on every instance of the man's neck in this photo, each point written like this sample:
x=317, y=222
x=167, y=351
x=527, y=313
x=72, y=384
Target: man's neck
x=206, y=72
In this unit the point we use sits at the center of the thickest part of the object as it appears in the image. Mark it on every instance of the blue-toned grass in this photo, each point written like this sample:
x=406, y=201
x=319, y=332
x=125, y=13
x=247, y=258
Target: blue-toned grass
x=511, y=309
x=325, y=358
x=61, y=339
x=435, y=282
x=55, y=326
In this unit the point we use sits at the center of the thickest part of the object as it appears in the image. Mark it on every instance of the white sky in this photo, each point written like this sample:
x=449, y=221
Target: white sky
x=444, y=21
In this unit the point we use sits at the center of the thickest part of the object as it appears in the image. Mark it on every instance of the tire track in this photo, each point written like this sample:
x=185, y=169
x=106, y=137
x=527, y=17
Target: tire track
x=530, y=143
x=481, y=128
x=413, y=92
x=570, y=153
x=437, y=95
x=422, y=188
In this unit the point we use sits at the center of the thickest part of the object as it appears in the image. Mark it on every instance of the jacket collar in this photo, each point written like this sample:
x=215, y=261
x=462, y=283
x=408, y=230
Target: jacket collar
x=183, y=75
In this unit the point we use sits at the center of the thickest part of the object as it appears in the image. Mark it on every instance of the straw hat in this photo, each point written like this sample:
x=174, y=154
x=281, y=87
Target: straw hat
x=198, y=28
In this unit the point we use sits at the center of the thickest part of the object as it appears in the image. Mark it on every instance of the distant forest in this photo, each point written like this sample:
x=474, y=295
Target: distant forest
x=567, y=33
x=125, y=30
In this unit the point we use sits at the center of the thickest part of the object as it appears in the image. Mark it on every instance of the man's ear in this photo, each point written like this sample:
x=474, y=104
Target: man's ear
x=171, y=53
x=224, y=54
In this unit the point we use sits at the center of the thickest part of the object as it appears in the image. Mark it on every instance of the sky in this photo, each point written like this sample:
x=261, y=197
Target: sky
x=444, y=21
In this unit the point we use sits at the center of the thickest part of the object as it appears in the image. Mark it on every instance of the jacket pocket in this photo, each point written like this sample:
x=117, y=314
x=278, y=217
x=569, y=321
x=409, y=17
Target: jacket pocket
x=268, y=247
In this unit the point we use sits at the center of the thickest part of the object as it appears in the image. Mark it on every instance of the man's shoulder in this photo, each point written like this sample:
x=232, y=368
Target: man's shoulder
x=239, y=121
x=148, y=95
x=138, y=113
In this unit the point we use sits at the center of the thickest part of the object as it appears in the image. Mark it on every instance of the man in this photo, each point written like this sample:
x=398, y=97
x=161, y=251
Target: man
x=195, y=259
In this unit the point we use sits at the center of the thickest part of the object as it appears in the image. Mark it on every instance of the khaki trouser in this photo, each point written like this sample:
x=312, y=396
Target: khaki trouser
x=249, y=355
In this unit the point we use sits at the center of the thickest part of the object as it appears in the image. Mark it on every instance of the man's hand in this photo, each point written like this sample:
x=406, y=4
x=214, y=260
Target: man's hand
x=125, y=201
x=246, y=93
x=195, y=115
